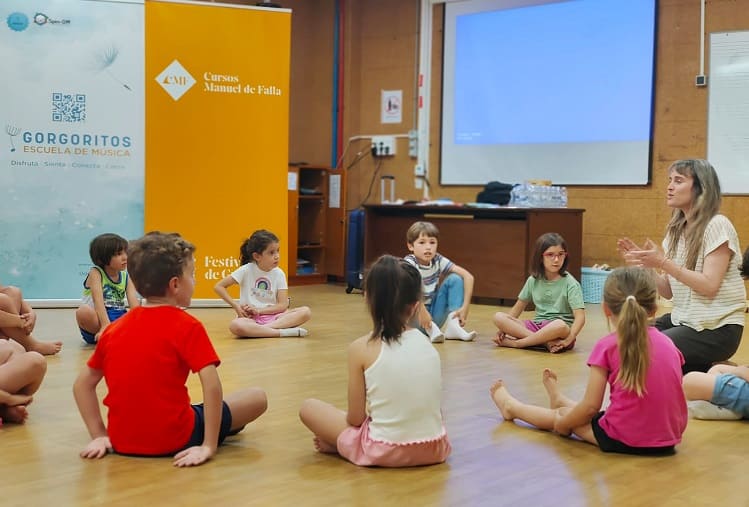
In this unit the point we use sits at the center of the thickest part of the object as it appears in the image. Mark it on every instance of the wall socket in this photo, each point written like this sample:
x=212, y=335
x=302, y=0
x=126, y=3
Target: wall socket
x=383, y=146
x=413, y=143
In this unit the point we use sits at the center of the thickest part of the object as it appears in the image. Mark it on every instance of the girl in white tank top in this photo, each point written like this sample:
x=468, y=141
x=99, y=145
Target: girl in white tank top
x=394, y=414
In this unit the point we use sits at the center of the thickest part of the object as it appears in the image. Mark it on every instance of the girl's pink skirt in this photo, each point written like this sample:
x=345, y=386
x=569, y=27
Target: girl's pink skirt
x=266, y=318
x=355, y=445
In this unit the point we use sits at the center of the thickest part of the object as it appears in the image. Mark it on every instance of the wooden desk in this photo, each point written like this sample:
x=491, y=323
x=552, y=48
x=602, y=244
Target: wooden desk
x=493, y=244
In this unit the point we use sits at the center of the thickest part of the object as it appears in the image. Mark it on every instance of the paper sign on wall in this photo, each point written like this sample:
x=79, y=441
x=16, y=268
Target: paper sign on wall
x=392, y=106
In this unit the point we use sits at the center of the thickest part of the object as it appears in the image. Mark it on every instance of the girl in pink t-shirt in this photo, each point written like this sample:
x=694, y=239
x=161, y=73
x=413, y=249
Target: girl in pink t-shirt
x=647, y=413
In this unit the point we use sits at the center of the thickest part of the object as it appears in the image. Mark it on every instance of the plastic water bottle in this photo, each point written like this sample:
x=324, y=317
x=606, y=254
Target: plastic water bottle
x=536, y=196
x=519, y=196
x=555, y=200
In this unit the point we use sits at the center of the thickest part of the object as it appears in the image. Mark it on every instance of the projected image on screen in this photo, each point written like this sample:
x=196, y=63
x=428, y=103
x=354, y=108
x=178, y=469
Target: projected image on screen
x=554, y=90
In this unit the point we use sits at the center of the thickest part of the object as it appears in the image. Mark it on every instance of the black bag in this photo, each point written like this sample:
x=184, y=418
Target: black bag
x=495, y=193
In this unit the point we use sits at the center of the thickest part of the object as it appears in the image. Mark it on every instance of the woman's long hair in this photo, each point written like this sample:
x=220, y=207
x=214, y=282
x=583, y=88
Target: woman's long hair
x=706, y=198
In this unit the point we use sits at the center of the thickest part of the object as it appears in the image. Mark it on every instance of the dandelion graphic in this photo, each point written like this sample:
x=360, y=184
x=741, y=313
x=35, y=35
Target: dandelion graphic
x=12, y=132
x=105, y=60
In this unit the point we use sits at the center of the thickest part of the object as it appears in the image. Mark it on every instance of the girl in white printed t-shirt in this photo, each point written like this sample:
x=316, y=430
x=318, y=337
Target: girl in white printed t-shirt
x=263, y=309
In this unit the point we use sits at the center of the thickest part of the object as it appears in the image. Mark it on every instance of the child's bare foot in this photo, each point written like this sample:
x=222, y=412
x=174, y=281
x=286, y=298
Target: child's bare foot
x=324, y=447
x=560, y=345
x=554, y=345
x=506, y=341
x=17, y=414
x=502, y=399
x=497, y=339
x=46, y=348
x=549, y=379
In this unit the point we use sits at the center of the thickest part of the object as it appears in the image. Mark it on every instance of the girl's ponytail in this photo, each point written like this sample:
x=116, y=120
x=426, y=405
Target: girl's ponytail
x=630, y=294
x=255, y=244
x=632, y=339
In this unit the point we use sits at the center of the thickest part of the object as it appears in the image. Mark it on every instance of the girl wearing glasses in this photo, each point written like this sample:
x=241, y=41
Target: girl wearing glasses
x=557, y=296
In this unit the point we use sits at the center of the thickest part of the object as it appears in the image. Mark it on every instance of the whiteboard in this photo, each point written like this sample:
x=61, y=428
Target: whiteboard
x=728, y=110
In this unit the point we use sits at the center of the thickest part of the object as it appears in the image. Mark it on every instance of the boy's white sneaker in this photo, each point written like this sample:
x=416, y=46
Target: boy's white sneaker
x=453, y=331
x=435, y=335
x=468, y=336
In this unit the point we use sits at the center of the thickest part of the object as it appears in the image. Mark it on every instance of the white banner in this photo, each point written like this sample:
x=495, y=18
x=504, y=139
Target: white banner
x=71, y=137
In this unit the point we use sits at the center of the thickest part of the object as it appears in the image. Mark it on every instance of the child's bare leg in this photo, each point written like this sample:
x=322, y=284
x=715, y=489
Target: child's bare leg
x=719, y=369
x=552, y=331
x=246, y=406
x=33, y=345
x=87, y=319
x=292, y=318
x=15, y=294
x=8, y=304
x=556, y=398
x=23, y=373
x=8, y=349
x=512, y=408
x=509, y=327
x=248, y=328
x=586, y=434
x=698, y=385
x=325, y=421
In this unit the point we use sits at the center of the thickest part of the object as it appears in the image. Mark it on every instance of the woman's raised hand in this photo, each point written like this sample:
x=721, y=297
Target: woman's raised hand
x=624, y=245
x=649, y=256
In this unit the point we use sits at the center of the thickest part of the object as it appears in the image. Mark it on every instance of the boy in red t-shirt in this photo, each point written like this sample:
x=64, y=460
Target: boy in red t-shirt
x=145, y=358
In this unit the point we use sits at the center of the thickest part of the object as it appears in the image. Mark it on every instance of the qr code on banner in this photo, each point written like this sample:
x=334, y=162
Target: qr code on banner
x=68, y=107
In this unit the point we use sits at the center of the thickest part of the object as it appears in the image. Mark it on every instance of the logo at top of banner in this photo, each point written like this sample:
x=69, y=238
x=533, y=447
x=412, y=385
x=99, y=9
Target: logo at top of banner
x=175, y=80
x=42, y=19
x=18, y=21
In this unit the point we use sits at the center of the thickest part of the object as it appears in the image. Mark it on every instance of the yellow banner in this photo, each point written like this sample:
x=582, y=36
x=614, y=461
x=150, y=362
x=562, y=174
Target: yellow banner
x=217, y=109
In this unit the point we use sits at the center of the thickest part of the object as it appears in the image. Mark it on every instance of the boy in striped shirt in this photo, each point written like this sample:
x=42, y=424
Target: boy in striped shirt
x=447, y=287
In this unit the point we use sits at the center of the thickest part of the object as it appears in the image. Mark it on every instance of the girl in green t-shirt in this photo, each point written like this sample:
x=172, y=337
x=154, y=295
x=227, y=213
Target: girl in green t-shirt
x=557, y=296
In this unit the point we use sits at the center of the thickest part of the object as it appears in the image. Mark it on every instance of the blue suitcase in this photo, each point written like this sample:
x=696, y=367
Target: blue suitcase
x=355, y=251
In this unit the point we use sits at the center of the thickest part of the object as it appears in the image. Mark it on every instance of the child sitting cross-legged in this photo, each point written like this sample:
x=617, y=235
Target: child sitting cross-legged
x=263, y=308
x=387, y=424
x=557, y=296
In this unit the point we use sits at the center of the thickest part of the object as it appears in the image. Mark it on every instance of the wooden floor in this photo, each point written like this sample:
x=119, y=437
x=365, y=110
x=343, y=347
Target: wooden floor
x=273, y=462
